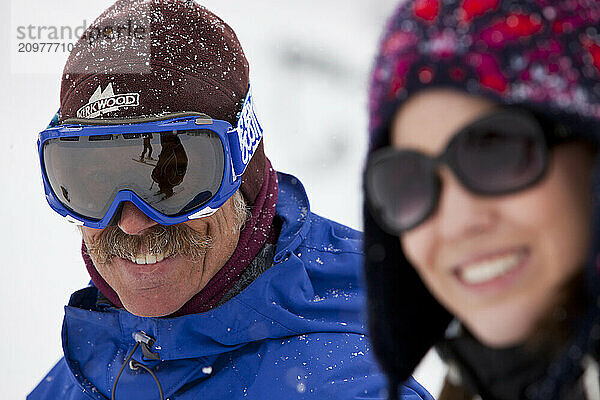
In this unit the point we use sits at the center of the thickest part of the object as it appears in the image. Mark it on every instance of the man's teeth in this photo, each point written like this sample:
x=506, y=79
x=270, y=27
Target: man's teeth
x=490, y=269
x=144, y=259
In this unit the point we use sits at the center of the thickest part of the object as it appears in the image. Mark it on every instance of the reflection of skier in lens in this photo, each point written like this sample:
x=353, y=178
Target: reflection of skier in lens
x=171, y=166
x=147, y=146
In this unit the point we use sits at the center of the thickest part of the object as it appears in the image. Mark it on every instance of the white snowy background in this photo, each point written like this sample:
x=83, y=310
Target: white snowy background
x=309, y=63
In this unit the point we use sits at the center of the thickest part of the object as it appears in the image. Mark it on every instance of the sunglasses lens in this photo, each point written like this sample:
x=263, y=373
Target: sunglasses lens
x=501, y=154
x=401, y=188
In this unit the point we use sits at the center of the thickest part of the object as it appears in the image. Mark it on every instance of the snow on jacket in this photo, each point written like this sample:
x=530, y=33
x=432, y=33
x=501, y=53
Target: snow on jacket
x=295, y=332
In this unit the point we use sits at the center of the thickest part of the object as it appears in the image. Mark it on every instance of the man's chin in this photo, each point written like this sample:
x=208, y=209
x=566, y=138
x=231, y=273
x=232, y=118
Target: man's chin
x=152, y=290
x=155, y=299
x=147, y=309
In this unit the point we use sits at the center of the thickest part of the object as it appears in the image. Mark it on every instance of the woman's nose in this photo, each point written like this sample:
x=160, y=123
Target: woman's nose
x=133, y=221
x=460, y=212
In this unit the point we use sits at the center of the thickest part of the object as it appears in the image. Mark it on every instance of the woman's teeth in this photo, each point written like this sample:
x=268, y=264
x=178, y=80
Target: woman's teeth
x=488, y=270
x=146, y=259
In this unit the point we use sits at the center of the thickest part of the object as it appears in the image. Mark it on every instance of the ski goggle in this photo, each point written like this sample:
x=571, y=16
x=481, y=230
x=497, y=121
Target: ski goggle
x=502, y=153
x=174, y=168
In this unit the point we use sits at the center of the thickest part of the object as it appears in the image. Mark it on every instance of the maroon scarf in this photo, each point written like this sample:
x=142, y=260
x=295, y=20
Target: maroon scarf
x=257, y=231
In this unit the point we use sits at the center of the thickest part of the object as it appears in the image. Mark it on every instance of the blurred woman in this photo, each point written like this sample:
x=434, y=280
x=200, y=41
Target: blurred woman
x=481, y=217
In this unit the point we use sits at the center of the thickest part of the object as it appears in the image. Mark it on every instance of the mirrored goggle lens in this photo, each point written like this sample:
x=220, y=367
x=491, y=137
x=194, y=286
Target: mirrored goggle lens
x=501, y=154
x=402, y=189
x=174, y=172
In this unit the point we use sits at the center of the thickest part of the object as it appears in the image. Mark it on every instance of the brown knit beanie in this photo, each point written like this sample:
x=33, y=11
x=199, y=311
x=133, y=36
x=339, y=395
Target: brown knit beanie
x=146, y=58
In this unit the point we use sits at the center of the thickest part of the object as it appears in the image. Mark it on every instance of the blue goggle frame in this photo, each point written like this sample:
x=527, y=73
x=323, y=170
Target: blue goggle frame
x=239, y=145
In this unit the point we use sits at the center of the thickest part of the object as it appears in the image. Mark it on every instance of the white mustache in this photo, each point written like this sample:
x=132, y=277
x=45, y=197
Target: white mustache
x=176, y=240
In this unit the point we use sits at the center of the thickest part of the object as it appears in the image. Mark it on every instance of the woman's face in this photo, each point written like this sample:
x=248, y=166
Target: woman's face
x=497, y=263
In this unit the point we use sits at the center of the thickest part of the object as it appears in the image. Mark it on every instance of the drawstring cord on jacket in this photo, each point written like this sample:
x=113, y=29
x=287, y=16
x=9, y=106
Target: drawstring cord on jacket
x=146, y=341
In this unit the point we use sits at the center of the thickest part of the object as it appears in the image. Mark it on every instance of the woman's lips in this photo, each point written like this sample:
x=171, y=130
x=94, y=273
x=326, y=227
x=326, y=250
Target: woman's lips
x=492, y=270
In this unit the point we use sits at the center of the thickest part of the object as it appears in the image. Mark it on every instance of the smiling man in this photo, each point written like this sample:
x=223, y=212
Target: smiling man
x=210, y=276
x=156, y=269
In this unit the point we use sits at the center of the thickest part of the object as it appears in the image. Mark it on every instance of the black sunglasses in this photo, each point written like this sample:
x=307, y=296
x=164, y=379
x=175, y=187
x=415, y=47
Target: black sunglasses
x=503, y=152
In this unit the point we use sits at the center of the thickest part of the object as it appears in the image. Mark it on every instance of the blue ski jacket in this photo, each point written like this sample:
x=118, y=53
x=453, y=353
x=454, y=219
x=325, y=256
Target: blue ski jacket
x=294, y=333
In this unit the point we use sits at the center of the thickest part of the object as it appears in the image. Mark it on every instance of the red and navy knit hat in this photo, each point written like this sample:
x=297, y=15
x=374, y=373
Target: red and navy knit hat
x=543, y=55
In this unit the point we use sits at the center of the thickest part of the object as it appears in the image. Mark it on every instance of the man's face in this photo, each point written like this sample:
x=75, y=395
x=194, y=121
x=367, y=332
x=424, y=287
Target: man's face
x=156, y=269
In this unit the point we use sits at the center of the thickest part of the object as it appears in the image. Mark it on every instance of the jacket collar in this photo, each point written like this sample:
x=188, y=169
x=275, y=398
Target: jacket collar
x=293, y=208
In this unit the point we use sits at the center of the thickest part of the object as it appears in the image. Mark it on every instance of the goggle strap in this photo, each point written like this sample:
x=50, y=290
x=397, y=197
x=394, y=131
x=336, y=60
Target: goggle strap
x=55, y=120
x=246, y=136
x=138, y=120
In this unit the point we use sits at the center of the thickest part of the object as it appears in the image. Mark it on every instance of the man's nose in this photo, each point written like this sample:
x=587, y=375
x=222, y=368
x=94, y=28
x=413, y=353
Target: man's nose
x=462, y=213
x=133, y=221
